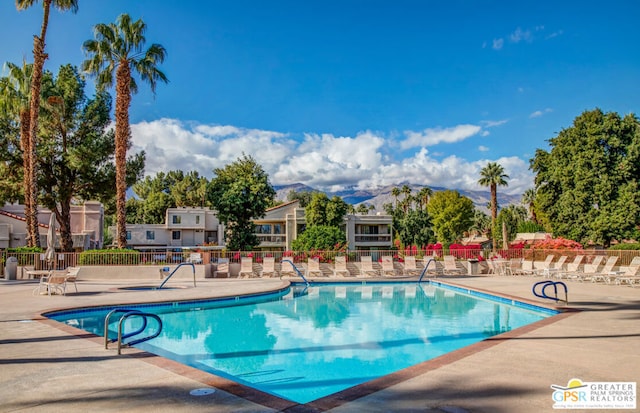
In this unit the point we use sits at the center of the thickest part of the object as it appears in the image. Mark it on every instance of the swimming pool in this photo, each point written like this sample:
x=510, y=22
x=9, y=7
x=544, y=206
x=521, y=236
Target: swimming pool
x=309, y=342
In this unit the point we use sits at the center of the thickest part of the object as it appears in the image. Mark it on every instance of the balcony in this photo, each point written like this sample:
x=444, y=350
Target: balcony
x=272, y=240
x=373, y=239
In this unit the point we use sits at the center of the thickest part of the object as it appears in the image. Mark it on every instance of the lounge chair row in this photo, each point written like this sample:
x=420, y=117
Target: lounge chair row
x=365, y=267
x=597, y=269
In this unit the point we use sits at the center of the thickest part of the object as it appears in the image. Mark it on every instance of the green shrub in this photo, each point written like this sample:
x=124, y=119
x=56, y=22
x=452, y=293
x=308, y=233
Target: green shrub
x=625, y=247
x=109, y=257
x=26, y=255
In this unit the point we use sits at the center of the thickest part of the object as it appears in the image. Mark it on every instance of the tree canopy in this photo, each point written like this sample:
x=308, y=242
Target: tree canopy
x=451, y=213
x=75, y=149
x=117, y=52
x=320, y=237
x=240, y=192
x=587, y=184
x=324, y=211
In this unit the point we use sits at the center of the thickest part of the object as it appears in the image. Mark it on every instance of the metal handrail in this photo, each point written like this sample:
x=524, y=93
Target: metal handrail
x=426, y=267
x=555, y=284
x=193, y=267
x=297, y=271
x=121, y=337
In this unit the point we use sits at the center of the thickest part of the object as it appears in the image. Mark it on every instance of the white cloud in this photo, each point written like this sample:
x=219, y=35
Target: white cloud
x=554, y=34
x=430, y=137
x=539, y=113
x=498, y=43
x=325, y=161
x=492, y=123
x=520, y=35
x=483, y=148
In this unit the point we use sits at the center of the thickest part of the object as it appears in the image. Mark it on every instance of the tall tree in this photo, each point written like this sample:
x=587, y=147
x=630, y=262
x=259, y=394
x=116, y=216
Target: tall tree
x=39, y=56
x=493, y=175
x=408, y=199
x=75, y=149
x=15, y=90
x=118, y=50
x=451, y=213
x=588, y=184
x=324, y=211
x=423, y=196
x=395, y=192
x=240, y=192
x=303, y=197
x=528, y=200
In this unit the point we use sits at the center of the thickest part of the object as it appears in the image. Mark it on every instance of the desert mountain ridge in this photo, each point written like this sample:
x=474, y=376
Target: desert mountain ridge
x=380, y=196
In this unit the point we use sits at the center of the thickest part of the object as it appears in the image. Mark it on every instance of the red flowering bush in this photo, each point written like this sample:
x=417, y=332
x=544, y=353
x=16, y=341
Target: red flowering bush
x=556, y=244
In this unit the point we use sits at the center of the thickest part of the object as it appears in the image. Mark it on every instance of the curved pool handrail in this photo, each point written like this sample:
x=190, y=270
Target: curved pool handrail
x=553, y=284
x=121, y=337
x=426, y=267
x=193, y=268
x=297, y=271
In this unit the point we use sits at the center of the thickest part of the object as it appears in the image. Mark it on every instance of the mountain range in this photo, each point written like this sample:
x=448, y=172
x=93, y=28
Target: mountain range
x=380, y=196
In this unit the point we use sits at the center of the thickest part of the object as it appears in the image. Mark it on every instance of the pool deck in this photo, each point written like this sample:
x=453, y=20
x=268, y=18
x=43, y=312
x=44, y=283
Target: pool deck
x=49, y=367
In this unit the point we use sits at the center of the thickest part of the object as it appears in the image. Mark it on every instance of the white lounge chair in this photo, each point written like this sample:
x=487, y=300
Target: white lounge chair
x=607, y=271
x=631, y=274
x=340, y=267
x=450, y=265
x=546, y=265
x=366, y=266
x=588, y=270
x=195, y=258
x=410, y=267
x=554, y=269
x=313, y=267
x=268, y=267
x=387, y=266
x=246, y=267
x=222, y=267
x=572, y=267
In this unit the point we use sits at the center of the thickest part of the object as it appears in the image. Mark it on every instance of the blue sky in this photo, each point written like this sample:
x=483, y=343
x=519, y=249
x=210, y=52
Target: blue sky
x=357, y=93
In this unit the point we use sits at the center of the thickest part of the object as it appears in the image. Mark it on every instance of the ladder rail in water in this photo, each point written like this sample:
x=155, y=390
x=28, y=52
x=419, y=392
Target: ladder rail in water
x=426, y=267
x=193, y=268
x=297, y=271
x=121, y=337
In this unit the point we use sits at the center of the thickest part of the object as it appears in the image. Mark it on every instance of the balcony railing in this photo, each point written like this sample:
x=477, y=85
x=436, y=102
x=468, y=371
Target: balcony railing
x=272, y=238
x=369, y=238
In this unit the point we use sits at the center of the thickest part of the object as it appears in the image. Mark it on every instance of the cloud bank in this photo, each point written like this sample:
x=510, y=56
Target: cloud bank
x=322, y=161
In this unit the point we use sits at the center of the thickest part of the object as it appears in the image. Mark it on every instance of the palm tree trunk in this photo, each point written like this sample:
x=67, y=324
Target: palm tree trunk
x=494, y=215
x=66, y=240
x=123, y=132
x=26, y=179
x=39, y=56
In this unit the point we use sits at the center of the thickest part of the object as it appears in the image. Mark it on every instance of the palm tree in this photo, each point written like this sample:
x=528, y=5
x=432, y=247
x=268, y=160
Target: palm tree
x=493, y=175
x=395, y=192
x=406, y=191
x=118, y=50
x=528, y=200
x=15, y=91
x=423, y=196
x=39, y=56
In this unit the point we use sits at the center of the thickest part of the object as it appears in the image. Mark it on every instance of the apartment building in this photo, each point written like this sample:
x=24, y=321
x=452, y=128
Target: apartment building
x=188, y=227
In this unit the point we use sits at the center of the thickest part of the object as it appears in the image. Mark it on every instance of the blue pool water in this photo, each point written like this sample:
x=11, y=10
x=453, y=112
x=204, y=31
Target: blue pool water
x=307, y=343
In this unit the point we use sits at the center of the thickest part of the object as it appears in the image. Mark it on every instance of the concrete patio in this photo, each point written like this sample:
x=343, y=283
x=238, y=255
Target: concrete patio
x=50, y=367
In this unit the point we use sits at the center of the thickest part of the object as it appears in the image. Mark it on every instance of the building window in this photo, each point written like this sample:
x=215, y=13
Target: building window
x=277, y=229
x=128, y=235
x=197, y=219
x=175, y=235
x=263, y=229
x=151, y=235
x=368, y=229
x=177, y=219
